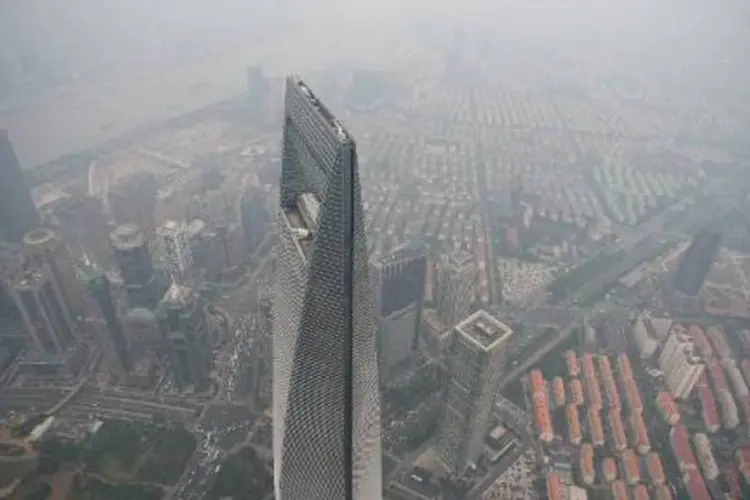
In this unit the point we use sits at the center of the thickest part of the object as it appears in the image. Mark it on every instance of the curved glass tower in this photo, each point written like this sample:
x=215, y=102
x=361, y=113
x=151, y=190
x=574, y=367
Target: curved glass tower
x=326, y=438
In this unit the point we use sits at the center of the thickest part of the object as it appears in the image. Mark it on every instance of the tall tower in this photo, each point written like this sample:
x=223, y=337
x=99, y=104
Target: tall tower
x=326, y=438
x=456, y=286
x=134, y=259
x=18, y=213
x=399, y=280
x=183, y=324
x=174, y=244
x=99, y=289
x=44, y=246
x=477, y=361
x=45, y=316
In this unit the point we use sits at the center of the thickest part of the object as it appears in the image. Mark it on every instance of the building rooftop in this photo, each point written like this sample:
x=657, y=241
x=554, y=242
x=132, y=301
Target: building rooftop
x=39, y=236
x=408, y=251
x=484, y=329
x=341, y=133
x=127, y=237
x=31, y=279
x=460, y=259
x=178, y=294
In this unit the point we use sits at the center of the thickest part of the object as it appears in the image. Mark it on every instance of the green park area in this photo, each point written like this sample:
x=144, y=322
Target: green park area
x=121, y=461
x=136, y=452
x=243, y=476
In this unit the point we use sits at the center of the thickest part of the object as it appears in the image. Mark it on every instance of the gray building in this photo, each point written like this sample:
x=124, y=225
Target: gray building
x=136, y=268
x=18, y=214
x=45, y=315
x=399, y=280
x=477, y=360
x=326, y=431
x=456, y=275
x=183, y=324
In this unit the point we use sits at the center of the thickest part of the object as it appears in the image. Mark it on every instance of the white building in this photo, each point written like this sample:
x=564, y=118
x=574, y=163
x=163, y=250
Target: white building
x=681, y=366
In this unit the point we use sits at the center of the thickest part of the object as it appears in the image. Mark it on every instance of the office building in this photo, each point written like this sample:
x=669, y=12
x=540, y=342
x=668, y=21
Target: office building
x=696, y=262
x=258, y=94
x=18, y=214
x=456, y=273
x=46, y=318
x=173, y=239
x=44, y=246
x=326, y=436
x=255, y=220
x=399, y=280
x=80, y=222
x=136, y=268
x=681, y=365
x=477, y=360
x=12, y=263
x=105, y=317
x=182, y=318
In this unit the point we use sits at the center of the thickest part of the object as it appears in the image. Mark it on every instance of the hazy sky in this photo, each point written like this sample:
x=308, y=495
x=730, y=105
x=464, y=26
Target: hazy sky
x=104, y=54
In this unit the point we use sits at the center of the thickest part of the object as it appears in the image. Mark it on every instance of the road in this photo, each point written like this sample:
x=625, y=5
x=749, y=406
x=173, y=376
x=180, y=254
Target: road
x=715, y=199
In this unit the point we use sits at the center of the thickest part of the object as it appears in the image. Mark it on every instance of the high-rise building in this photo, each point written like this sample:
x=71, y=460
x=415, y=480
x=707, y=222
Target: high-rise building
x=173, y=239
x=136, y=268
x=183, y=324
x=326, y=402
x=680, y=363
x=113, y=338
x=399, y=280
x=44, y=245
x=45, y=315
x=18, y=214
x=456, y=275
x=477, y=360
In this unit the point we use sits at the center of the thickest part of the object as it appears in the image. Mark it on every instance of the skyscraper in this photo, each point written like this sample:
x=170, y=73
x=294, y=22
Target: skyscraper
x=44, y=245
x=326, y=438
x=45, y=316
x=99, y=289
x=18, y=213
x=477, y=361
x=456, y=288
x=174, y=245
x=183, y=324
x=399, y=280
x=134, y=259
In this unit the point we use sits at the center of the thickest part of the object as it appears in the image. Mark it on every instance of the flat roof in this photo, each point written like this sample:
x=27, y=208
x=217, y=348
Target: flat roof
x=484, y=329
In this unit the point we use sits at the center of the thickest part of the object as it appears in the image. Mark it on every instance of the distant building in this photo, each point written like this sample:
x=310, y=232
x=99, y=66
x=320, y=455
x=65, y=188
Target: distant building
x=208, y=252
x=134, y=201
x=45, y=315
x=399, y=280
x=477, y=360
x=81, y=223
x=456, y=287
x=44, y=246
x=141, y=329
x=183, y=324
x=681, y=365
x=136, y=268
x=113, y=337
x=18, y=214
x=258, y=94
x=255, y=218
x=173, y=240
x=696, y=263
